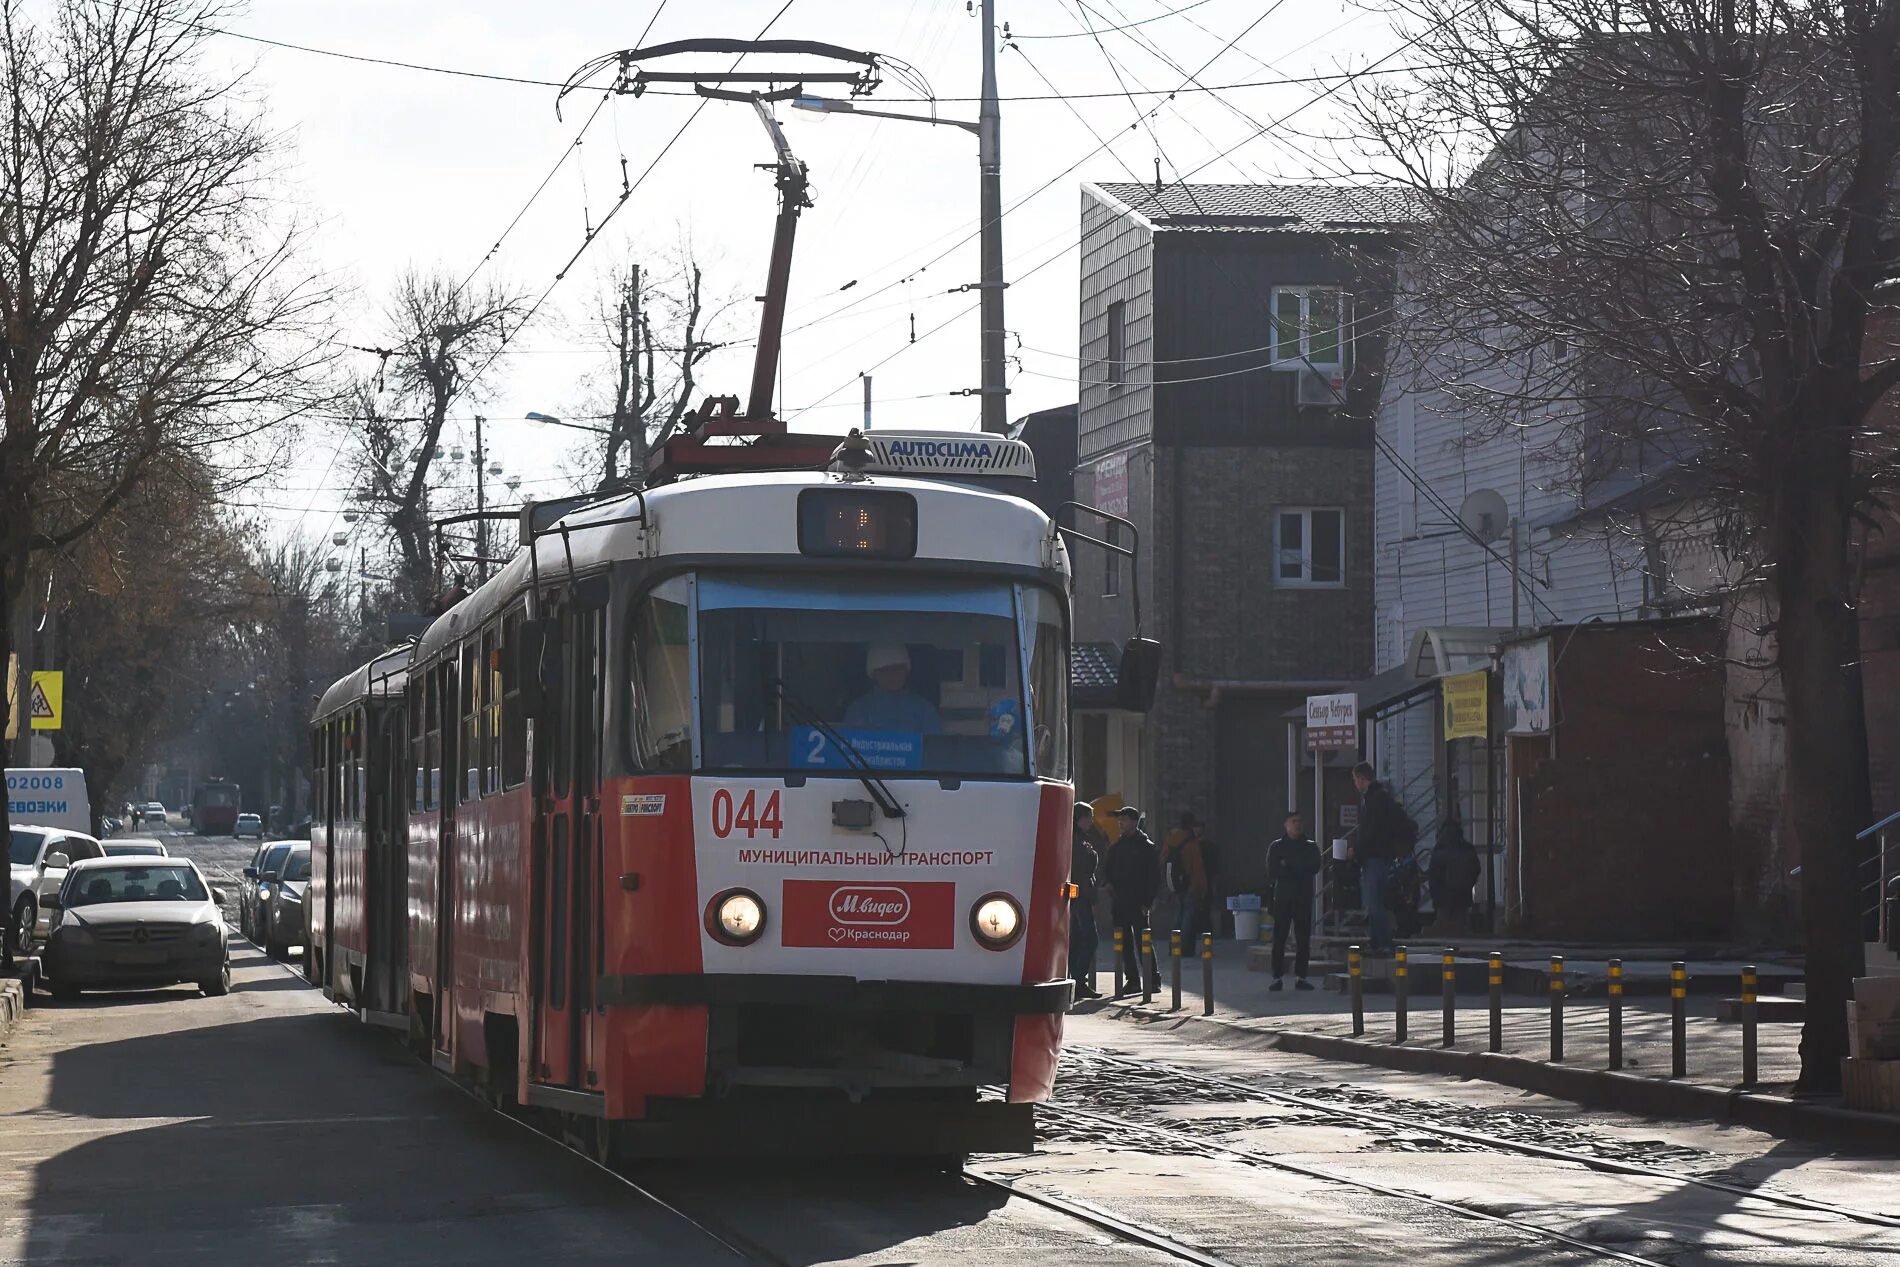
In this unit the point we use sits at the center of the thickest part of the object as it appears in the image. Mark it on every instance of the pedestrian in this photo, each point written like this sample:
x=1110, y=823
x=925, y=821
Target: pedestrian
x=1385, y=834
x=1133, y=872
x=1292, y=864
x=1184, y=857
x=1453, y=873
x=1085, y=865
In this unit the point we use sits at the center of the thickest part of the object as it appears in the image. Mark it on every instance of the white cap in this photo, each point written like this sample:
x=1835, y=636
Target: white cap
x=884, y=655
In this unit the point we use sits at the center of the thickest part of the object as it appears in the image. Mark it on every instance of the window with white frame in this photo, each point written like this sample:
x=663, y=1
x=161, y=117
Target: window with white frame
x=1310, y=327
x=1309, y=547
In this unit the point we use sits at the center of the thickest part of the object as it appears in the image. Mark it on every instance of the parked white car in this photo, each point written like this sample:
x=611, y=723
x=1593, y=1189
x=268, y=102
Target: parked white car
x=37, y=859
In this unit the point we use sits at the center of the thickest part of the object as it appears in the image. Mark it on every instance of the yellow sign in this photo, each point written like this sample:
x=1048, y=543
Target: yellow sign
x=13, y=698
x=1467, y=705
x=48, y=699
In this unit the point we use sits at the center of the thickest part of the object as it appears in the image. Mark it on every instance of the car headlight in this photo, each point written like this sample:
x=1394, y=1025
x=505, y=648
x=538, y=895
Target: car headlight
x=735, y=917
x=73, y=933
x=263, y=892
x=996, y=920
x=206, y=933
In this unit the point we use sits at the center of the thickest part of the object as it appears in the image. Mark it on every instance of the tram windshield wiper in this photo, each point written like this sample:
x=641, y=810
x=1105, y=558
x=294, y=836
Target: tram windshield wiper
x=801, y=711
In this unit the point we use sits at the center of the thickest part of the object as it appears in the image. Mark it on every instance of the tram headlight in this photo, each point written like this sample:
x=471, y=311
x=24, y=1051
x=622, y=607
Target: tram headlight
x=736, y=917
x=997, y=921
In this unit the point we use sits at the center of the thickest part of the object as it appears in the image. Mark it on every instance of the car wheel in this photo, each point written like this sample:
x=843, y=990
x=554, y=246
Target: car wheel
x=218, y=986
x=20, y=928
x=65, y=993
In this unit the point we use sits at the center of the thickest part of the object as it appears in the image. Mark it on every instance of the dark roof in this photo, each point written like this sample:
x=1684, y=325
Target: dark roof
x=1270, y=208
x=1094, y=668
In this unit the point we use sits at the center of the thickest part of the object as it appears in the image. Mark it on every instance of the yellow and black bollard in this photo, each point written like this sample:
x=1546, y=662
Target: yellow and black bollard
x=1557, y=1008
x=1616, y=1013
x=1146, y=967
x=1495, y=983
x=1448, y=977
x=1121, y=975
x=1749, y=983
x=1678, y=1020
x=1355, y=980
x=1207, y=974
x=1174, y=967
x=1401, y=1003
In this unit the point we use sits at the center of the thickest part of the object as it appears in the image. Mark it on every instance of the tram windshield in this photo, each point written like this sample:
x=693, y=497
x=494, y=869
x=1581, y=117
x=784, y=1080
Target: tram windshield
x=913, y=678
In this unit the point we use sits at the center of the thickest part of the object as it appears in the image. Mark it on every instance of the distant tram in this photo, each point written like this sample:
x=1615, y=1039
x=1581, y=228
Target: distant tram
x=214, y=807
x=731, y=816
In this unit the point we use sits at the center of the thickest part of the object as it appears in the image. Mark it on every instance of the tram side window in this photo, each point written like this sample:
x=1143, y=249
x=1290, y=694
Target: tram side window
x=514, y=725
x=471, y=762
x=662, y=680
x=1048, y=684
x=432, y=738
x=318, y=772
x=359, y=767
x=418, y=726
x=491, y=710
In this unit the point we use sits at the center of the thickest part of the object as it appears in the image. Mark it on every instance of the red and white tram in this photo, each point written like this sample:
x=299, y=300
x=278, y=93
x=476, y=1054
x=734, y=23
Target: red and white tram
x=737, y=813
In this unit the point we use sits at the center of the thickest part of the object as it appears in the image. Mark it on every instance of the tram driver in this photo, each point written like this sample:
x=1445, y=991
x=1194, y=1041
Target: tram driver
x=890, y=704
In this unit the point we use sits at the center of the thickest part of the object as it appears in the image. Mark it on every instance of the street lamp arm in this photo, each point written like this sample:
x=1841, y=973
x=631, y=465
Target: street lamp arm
x=828, y=105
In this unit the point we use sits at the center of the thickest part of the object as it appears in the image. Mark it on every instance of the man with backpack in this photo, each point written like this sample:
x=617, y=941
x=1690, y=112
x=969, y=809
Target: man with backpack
x=1386, y=834
x=1184, y=864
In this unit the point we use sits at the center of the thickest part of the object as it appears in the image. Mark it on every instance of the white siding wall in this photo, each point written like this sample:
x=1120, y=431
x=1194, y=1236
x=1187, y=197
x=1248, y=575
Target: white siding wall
x=1429, y=573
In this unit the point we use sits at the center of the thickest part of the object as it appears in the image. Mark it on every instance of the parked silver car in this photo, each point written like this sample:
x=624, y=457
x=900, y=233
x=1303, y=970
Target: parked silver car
x=136, y=922
x=280, y=904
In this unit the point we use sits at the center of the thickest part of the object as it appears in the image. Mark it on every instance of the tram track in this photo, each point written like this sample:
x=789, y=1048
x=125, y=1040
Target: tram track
x=1319, y=1103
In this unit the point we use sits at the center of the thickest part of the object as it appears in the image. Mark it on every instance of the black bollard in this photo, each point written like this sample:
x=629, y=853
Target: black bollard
x=1400, y=1002
x=1749, y=981
x=1678, y=1020
x=1207, y=974
x=1146, y=967
x=1174, y=965
x=1557, y=1008
x=1121, y=976
x=1496, y=985
x=1616, y=1013
x=1355, y=980
x=1449, y=981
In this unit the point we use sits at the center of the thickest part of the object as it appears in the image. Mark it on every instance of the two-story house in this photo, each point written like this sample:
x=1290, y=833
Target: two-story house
x=1231, y=351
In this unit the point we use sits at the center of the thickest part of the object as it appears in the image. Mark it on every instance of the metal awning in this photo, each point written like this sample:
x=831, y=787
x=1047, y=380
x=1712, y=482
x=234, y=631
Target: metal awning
x=1437, y=651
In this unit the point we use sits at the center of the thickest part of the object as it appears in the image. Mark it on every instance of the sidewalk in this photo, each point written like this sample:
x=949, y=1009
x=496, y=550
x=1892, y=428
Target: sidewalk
x=1319, y=1023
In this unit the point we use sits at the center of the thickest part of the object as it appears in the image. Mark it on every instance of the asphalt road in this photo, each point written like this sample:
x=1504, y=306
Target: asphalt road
x=162, y=1127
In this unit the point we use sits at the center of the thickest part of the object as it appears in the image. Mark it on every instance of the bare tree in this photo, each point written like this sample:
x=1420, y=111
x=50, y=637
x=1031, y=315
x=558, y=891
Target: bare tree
x=650, y=383
x=441, y=337
x=150, y=297
x=1697, y=197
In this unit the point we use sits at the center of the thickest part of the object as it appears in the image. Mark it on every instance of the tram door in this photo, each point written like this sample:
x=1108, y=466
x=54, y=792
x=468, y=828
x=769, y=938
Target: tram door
x=448, y=781
x=567, y=856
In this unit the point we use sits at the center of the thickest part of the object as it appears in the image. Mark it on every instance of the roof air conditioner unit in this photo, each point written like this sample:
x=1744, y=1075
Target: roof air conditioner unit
x=1325, y=388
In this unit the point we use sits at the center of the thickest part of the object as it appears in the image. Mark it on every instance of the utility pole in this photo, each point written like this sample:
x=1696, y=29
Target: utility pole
x=990, y=160
x=867, y=400
x=481, y=505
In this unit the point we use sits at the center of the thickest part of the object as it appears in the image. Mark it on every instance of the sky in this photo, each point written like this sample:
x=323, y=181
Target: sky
x=396, y=167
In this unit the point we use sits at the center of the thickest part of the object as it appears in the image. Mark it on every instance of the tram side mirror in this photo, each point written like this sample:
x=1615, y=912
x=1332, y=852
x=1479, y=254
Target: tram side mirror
x=589, y=594
x=1139, y=675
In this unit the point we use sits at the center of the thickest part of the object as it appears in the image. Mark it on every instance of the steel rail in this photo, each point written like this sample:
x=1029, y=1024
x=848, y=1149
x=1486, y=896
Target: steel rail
x=1589, y=1161
x=1115, y=1224
x=1365, y=1185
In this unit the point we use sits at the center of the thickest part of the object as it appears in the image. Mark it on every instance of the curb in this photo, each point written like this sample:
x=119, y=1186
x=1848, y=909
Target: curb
x=1596, y=1088
x=12, y=1005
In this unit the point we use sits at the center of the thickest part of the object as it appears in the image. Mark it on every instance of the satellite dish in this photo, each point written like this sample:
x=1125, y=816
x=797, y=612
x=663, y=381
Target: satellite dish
x=1484, y=515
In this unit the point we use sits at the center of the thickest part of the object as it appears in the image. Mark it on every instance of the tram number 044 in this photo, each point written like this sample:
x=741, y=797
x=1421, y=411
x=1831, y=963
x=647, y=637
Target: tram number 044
x=747, y=816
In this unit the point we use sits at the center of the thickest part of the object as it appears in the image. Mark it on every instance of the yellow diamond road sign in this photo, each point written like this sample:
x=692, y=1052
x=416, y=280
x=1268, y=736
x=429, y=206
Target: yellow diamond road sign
x=48, y=699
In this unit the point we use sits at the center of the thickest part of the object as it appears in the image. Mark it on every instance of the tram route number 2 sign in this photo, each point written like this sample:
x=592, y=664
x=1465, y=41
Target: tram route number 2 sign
x=918, y=915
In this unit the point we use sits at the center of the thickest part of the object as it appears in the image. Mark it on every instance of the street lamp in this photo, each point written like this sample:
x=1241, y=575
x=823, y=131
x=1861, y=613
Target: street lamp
x=988, y=129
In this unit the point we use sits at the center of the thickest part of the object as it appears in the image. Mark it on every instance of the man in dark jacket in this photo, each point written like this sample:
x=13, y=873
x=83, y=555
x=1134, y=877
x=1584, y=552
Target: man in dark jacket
x=1292, y=863
x=1383, y=837
x=1133, y=873
x=1085, y=863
